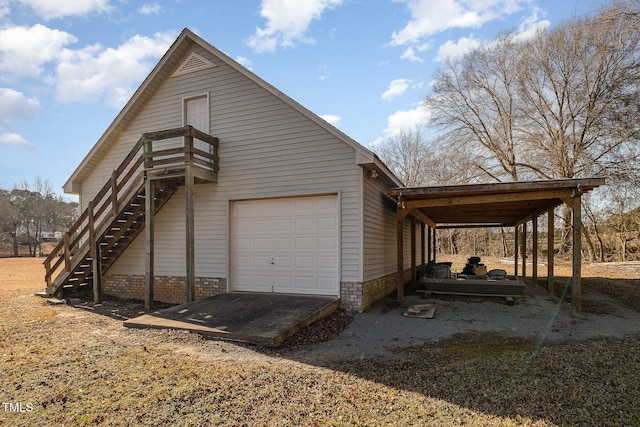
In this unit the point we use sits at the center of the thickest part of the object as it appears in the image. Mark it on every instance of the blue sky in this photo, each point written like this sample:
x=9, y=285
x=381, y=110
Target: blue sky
x=67, y=67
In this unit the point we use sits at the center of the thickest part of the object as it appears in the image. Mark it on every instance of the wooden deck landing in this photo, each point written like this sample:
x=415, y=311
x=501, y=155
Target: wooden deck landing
x=266, y=319
x=477, y=287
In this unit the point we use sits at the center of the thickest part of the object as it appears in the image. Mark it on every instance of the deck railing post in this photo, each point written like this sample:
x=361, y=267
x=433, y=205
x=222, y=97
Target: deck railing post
x=67, y=252
x=47, y=274
x=114, y=192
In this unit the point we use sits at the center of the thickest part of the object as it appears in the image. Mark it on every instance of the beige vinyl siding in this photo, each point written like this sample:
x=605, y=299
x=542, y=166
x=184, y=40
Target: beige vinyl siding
x=379, y=229
x=267, y=149
x=380, y=239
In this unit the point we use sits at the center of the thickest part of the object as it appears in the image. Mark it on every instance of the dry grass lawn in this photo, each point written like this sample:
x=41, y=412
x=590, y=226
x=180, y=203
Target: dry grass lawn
x=65, y=366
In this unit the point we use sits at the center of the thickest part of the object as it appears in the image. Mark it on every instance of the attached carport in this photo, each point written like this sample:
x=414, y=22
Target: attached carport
x=508, y=204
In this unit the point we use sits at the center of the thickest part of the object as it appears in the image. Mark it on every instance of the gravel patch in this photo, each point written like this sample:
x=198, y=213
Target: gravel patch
x=381, y=330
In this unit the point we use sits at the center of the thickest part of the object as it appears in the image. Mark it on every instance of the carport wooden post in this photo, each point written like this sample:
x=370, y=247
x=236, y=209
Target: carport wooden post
x=413, y=251
x=516, y=246
x=576, y=289
x=149, y=209
x=400, y=250
x=433, y=244
x=524, y=249
x=550, y=251
x=534, y=250
x=429, y=244
x=422, y=249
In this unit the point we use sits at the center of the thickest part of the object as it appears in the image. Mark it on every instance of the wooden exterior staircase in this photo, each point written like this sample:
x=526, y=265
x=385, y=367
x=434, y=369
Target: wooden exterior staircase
x=118, y=213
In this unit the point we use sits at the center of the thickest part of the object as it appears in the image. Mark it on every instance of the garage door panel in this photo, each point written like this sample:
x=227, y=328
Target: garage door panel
x=326, y=284
x=262, y=282
x=263, y=244
x=263, y=226
x=327, y=262
x=306, y=204
x=244, y=243
x=305, y=283
x=305, y=243
x=286, y=245
x=327, y=225
x=283, y=243
x=263, y=262
x=327, y=243
x=283, y=225
x=281, y=262
x=305, y=262
x=303, y=225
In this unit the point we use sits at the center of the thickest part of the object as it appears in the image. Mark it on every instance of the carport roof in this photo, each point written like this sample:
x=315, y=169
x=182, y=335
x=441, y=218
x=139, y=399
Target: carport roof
x=497, y=204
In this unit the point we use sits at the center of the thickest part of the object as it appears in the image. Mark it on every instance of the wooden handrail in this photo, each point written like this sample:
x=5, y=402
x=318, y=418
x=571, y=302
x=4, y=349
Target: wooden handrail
x=115, y=190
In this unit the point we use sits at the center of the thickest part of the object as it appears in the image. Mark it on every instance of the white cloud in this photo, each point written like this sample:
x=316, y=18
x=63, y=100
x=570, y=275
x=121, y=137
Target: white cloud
x=4, y=8
x=287, y=21
x=15, y=106
x=49, y=9
x=15, y=140
x=244, y=61
x=324, y=73
x=410, y=55
x=150, y=9
x=453, y=49
x=530, y=26
x=403, y=120
x=94, y=73
x=24, y=50
x=332, y=118
x=396, y=88
x=429, y=17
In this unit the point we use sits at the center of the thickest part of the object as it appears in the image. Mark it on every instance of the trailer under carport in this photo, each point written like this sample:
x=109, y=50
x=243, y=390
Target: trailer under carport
x=506, y=204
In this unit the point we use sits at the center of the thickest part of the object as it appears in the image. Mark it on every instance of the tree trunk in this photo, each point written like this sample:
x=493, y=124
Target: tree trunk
x=505, y=248
x=565, y=239
x=590, y=246
x=16, y=246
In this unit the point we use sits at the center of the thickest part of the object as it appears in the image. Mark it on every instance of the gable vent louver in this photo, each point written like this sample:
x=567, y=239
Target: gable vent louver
x=193, y=63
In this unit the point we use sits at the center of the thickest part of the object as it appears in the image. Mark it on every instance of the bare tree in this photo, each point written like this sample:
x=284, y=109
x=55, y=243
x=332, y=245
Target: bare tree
x=407, y=155
x=474, y=104
x=25, y=214
x=9, y=220
x=578, y=87
x=564, y=104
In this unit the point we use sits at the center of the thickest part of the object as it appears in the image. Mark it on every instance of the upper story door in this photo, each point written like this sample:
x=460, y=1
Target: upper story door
x=196, y=114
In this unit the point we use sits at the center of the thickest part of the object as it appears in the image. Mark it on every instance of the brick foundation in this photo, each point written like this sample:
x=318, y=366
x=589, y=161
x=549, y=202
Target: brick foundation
x=357, y=296
x=354, y=296
x=169, y=289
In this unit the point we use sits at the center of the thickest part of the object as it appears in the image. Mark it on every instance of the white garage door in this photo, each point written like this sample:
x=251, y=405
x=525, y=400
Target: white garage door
x=286, y=245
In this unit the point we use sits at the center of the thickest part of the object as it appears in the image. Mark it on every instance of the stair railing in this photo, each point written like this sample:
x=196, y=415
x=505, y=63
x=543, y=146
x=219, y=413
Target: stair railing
x=119, y=188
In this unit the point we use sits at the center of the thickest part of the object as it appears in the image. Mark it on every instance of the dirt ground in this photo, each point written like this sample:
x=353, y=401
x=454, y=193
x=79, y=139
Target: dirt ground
x=63, y=365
